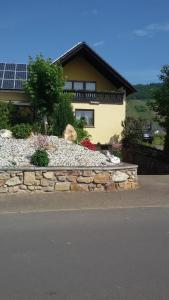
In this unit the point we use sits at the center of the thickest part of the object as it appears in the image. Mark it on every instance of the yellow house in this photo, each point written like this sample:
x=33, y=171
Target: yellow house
x=99, y=91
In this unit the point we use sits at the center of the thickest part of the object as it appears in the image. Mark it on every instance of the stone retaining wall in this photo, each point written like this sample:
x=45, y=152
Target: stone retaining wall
x=123, y=177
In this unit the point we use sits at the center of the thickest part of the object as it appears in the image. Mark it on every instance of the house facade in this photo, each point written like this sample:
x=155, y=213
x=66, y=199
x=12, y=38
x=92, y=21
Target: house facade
x=99, y=92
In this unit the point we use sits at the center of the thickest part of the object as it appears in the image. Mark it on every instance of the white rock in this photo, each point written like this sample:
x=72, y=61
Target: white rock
x=120, y=176
x=70, y=134
x=61, y=153
x=13, y=181
x=5, y=133
x=113, y=159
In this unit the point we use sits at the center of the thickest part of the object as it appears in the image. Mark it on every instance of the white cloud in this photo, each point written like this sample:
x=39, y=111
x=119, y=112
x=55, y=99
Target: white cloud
x=152, y=29
x=140, y=32
x=99, y=43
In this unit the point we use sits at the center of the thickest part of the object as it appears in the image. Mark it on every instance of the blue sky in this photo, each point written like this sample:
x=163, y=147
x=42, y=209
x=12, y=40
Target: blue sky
x=132, y=35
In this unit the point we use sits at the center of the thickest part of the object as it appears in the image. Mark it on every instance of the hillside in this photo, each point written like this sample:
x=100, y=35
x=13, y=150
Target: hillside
x=137, y=103
x=145, y=91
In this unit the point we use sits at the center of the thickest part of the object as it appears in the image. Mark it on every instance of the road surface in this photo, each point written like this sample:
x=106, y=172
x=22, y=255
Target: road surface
x=111, y=254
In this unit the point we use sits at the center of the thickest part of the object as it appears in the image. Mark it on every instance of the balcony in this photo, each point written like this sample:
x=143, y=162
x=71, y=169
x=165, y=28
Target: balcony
x=98, y=97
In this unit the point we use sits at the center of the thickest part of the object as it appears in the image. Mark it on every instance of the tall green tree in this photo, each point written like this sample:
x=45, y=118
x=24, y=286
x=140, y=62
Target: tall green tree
x=45, y=88
x=44, y=85
x=63, y=114
x=161, y=104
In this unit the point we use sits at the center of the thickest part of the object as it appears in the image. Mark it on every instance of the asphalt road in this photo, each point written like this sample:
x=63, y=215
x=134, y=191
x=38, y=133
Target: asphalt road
x=113, y=254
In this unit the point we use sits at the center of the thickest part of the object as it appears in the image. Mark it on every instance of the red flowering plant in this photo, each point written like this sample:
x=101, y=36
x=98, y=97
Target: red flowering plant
x=88, y=144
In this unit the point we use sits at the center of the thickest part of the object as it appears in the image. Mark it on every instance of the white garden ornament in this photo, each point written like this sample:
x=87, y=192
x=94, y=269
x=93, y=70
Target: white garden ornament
x=113, y=159
x=5, y=133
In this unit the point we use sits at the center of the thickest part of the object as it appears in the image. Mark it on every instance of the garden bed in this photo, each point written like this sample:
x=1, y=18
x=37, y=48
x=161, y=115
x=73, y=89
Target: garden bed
x=18, y=152
x=71, y=167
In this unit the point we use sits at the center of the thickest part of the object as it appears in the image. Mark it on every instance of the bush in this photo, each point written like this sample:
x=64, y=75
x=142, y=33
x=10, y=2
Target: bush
x=21, y=131
x=4, y=116
x=132, y=131
x=117, y=150
x=20, y=114
x=62, y=115
x=82, y=134
x=87, y=143
x=40, y=158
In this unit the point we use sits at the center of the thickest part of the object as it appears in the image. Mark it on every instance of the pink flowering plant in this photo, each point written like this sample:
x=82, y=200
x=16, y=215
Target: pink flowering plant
x=41, y=142
x=40, y=157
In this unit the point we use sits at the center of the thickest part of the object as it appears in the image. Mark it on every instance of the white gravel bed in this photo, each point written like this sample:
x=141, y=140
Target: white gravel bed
x=18, y=152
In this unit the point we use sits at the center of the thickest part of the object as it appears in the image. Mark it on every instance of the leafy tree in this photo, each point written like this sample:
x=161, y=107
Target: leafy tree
x=45, y=88
x=44, y=85
x=4, y=116
x=161, y=104
x=132, y=131
x=63, y=114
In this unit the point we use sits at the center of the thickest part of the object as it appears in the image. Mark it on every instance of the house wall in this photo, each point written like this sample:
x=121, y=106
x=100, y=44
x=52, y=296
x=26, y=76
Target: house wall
x=107, y=119
x=13, y=96
x=80, y=69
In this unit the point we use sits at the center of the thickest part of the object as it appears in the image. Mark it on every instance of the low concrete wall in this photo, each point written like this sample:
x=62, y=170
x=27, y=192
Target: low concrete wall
x=68, y=179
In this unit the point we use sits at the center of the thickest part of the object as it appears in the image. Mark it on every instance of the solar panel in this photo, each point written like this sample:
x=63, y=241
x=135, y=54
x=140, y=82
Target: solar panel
x=2, y=65
x=21, y=67
x=18, y=84
x=1, y=74
x=9, y=75
x=21, y=75
x=8, y=84
x=10, y=67
x=12, y=76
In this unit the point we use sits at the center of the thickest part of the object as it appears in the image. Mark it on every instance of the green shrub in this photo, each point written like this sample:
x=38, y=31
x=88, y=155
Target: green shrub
x=4, y=116
x=40, y=158
x=21, y=131
x=38, y=127
x=82, y=134
x=62, y=115
x=132, y=130
x=20, y=114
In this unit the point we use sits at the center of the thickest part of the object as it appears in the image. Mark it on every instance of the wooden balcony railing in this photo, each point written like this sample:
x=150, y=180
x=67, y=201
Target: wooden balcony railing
x=102, y=97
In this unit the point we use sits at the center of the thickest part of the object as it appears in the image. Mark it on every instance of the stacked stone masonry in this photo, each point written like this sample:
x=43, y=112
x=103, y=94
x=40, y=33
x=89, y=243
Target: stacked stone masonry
x=46, y=180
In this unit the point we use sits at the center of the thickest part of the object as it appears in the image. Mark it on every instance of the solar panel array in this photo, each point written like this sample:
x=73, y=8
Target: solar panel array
x=12, y=76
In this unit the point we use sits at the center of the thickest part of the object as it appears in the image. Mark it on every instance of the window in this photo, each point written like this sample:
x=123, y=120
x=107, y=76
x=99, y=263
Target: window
x=90, y=86
x=68, y=85
x=86, y=115
x=78, y=85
